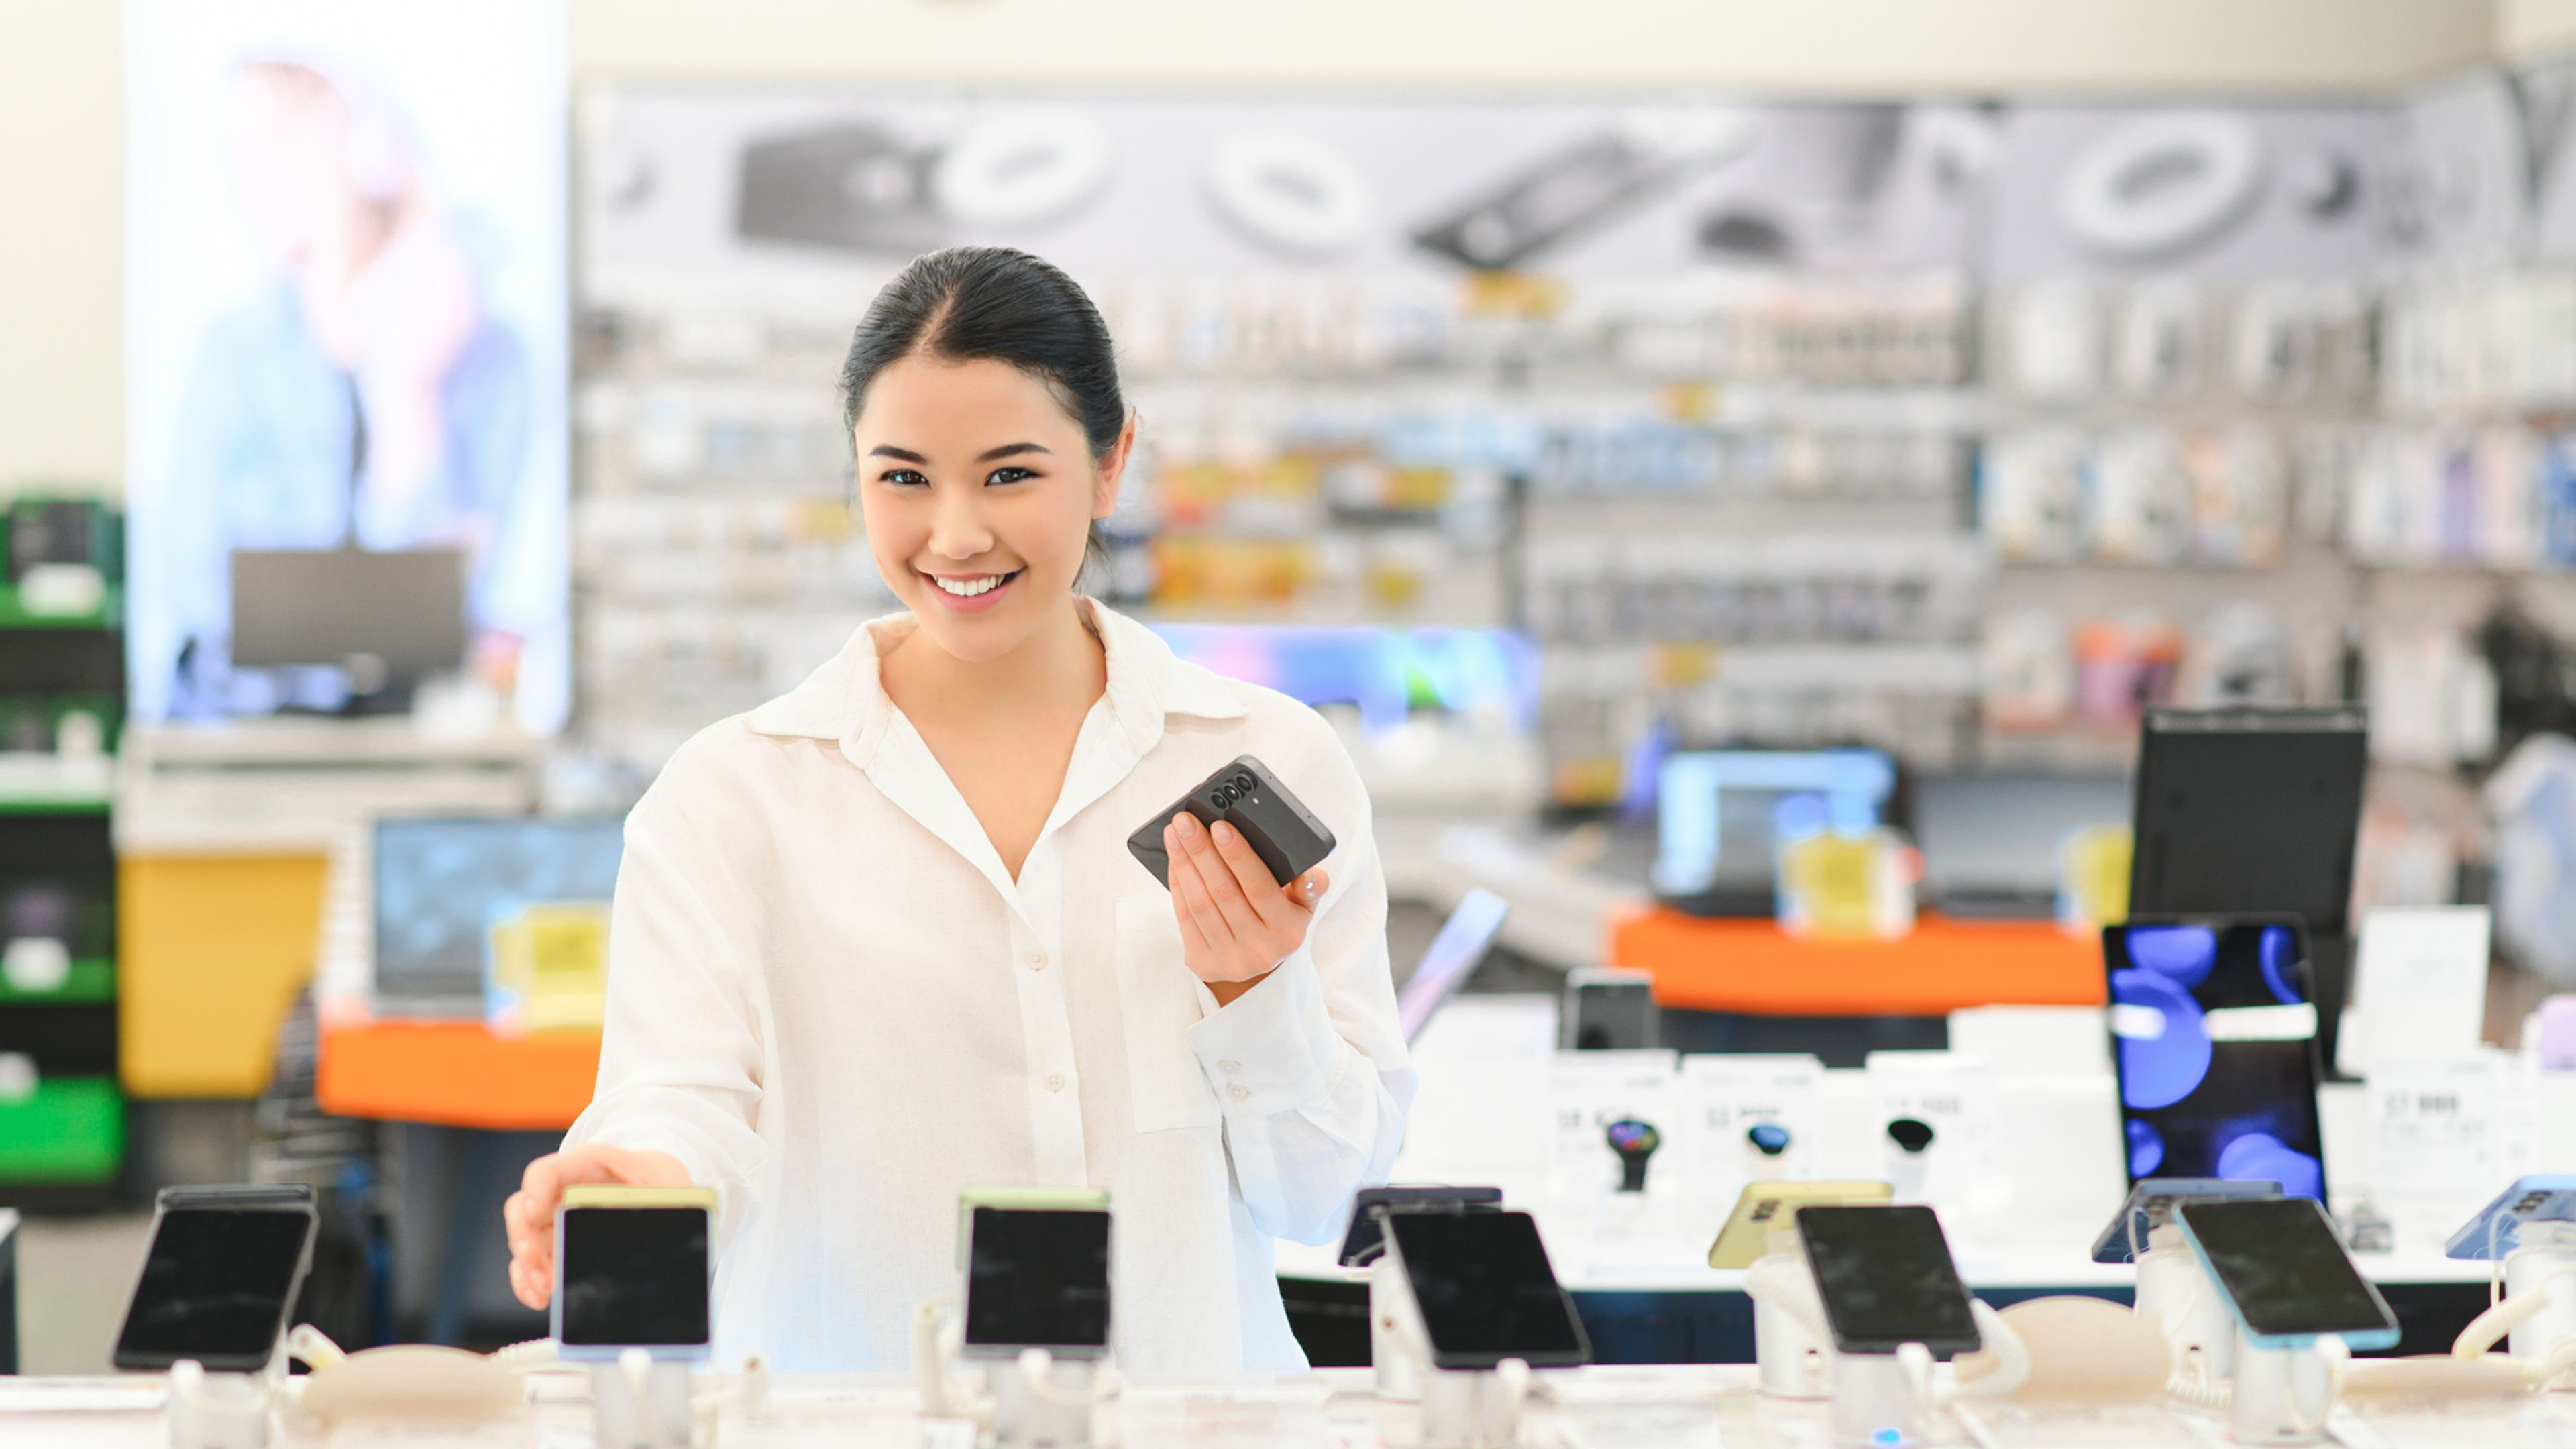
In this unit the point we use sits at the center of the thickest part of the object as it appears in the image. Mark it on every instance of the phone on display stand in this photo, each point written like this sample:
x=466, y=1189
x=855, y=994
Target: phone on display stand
x=2496, y=1230
x=1037, y=1277
x=1608, y=1009
x=2151, y=1205
x=632, y=1269
x=2214, y=1041
x=1363, y=1240
x=1763, y=1206
x=1485, y=1289
x=2285, y=1274
x=1887, y=1279
x=219, y=1278
x=1277, y=825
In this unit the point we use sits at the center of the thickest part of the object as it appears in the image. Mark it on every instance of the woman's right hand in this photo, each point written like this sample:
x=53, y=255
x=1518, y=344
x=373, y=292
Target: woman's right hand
x=530, y=1212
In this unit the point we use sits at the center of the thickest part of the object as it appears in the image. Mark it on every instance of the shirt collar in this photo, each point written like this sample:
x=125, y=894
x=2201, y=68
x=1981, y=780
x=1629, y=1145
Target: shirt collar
x=845, y=700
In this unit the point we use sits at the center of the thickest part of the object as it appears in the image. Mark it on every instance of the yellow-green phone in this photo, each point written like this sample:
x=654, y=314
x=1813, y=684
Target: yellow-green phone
x=1766, y=1205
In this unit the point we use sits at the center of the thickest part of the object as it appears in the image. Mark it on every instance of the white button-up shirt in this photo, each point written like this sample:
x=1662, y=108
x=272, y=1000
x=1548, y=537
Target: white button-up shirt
x=828, y=998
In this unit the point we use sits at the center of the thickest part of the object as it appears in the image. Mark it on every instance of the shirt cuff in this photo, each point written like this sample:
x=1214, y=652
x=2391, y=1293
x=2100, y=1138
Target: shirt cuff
x=1273, y=1047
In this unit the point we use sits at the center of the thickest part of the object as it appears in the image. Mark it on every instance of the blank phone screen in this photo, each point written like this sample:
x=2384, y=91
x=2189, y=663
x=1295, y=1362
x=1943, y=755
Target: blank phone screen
x=1886, y=1279
x=635, y=1277
x=215, y=1285
x=1485, y=1288
x=2282, y=1265
x=1038, y=1279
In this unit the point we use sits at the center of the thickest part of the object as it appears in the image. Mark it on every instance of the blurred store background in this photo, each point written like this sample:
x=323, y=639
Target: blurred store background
x=417, y=420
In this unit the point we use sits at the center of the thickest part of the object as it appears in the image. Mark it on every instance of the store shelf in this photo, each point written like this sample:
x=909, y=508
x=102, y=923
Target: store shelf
x=1753, y=967
x=457, y=1074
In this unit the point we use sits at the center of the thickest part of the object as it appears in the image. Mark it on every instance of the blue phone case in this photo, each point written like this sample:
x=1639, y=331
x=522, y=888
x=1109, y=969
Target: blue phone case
x=2492, y=1233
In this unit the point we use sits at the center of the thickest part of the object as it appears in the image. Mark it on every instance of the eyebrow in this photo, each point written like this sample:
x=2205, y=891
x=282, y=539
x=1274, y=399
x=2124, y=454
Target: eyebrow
x=1007, y=450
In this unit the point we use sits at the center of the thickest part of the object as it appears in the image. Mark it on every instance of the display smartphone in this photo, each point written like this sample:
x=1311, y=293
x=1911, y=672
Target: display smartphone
x=632, y=1265
x=2214, y=1035
x=1887, y=1280
x=1485, y=1290
x=219, y=1278
x=1453, y=956
x=1363, y=1240
x=2496, y=1229
x=1763, y=1206
x=2151, y=1204
x=2285, y=1273
x=1278, y=826
x=1037, y=1277
x=1607, y=1009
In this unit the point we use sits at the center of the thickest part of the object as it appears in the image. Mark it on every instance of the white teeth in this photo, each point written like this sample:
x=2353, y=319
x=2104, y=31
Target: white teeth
x=969, y=588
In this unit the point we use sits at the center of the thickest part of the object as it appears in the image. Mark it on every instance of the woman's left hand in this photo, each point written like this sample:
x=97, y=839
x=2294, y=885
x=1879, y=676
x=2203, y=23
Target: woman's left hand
x=1237, y=924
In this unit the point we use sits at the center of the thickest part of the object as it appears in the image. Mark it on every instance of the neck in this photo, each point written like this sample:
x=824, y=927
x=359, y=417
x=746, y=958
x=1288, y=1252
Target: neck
x=1060, y=665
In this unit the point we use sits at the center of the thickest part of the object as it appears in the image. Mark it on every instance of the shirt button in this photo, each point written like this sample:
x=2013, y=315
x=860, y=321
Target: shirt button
x=1238, y=1091
x=1231, y=1069
x=1036, y=960
x=1055, y=1081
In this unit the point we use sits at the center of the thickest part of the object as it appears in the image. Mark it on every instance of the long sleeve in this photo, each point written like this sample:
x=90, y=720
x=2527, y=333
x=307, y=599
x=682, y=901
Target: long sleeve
x=1309, y=1066
x=681, y=1066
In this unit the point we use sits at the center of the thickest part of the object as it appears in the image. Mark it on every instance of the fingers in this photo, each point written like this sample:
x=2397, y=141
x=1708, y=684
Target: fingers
x=1309, y=888
x=1242, y=919
x=1252, y=879
x=1198, y=907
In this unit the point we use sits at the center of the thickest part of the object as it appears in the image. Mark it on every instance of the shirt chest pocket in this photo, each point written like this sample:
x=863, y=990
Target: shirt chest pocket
x=1158, y=1000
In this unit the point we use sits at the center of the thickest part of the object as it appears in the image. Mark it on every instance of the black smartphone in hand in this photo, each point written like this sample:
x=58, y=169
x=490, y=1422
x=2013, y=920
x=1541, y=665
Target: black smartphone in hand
x=1278, y=826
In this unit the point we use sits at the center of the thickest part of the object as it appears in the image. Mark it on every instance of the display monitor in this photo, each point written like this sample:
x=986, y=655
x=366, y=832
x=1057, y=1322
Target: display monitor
x=441, y=882
x=2213, y=1034
x=2254, y=811
x=1720, y=815
x=389, y=619
x=1990, y=842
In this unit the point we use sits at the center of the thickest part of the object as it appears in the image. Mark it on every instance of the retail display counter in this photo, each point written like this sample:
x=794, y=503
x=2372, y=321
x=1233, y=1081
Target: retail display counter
x=1754, y=967
x=457, y=1074
x=1632, y=1408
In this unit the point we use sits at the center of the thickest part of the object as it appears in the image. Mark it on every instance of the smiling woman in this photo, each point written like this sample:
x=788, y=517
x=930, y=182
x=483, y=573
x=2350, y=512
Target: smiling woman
x=881, y=939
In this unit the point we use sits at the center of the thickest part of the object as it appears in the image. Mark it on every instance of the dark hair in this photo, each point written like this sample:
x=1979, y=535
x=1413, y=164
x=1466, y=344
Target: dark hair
x=969, y=304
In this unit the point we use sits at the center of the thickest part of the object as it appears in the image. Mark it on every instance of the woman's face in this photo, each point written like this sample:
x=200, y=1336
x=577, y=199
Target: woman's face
x=978, y=489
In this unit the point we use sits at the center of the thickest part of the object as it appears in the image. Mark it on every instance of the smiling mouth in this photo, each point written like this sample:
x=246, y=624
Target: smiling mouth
x=971, y=588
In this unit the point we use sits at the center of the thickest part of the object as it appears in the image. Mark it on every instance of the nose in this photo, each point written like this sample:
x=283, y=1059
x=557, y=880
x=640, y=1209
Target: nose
x=957, y=527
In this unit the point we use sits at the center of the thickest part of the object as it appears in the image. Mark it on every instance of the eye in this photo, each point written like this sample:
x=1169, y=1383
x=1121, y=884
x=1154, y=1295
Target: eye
x=1009, y=475
x=904, y=478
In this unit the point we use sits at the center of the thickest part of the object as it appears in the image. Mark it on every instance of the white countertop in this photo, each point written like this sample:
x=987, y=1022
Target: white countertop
x=1702, y=1407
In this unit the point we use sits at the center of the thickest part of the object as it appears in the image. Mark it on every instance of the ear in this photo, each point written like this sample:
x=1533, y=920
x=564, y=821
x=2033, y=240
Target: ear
x=1113, y=467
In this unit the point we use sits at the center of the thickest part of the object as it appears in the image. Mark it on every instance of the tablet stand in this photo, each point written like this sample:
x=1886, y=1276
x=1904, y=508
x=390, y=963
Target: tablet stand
x=1042, y=1402
x=640, y=1402
x=1399, y=1373
x=1475, y=1408
x=1883, y=1400
x=2283, y=1395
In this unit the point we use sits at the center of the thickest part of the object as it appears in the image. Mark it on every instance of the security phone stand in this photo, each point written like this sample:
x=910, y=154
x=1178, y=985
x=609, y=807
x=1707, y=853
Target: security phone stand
x=1883, y=1399
x=640, y=1402
x=1042, y=1402
x=2542, y=1271
x=1461, y=1408
x=1399, y=1373
x=1792, y=1350
x=2283, y=1395
x=2176, y=1289
x=218, y=1410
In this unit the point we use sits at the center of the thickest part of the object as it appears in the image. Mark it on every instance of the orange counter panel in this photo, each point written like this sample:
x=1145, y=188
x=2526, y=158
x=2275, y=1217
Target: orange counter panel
x=457, y=1074
x=1754, y=968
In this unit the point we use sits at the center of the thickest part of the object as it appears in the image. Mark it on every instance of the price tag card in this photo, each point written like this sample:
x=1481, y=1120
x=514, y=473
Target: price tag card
x=2443, y=1134
x=1750, y=1118
x=1611, y=1163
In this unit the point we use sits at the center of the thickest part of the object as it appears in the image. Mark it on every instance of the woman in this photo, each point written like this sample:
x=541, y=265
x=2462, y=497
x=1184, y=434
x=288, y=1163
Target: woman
x=881, y=938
